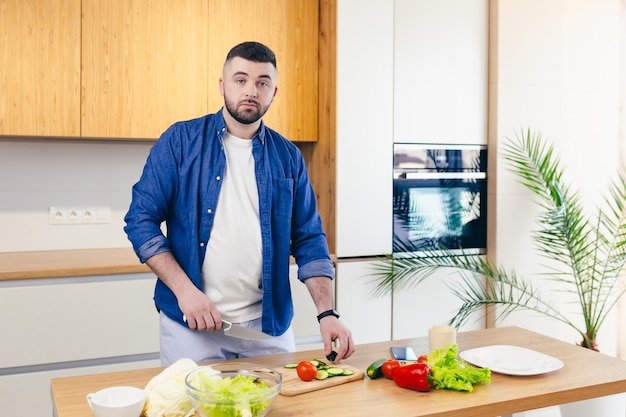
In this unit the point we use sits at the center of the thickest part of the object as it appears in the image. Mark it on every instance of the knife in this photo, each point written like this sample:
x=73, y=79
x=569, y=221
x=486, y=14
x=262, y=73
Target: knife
x=241, y=332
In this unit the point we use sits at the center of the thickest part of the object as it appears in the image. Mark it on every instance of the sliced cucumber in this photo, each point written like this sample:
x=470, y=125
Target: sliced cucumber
x=334, y=371
x=323, y=370
x=318, y=363
x=321, y=374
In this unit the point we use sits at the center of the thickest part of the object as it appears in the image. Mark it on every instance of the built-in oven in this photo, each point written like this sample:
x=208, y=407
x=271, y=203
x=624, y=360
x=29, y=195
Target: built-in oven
x=439, y=197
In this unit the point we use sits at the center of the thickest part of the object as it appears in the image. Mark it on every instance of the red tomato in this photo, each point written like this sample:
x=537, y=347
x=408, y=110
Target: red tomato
x=388, y=367
x=306, y=371
x=422, y=359
x=415, y=376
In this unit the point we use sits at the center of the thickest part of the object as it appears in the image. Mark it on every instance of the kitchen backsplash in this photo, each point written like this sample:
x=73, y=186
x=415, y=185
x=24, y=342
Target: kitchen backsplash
x=35, y=175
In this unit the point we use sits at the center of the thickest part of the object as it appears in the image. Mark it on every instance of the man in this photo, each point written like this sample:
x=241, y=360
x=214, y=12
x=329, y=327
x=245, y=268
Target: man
x=237, y=201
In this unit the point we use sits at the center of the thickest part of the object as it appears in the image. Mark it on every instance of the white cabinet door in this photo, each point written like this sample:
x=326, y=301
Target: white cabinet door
x=427, y=304
x=306, y=329
x=367, y=316
x=60, y=327
x=67, y=320
x=440, y=72
x=364, y=127
x=28, y=394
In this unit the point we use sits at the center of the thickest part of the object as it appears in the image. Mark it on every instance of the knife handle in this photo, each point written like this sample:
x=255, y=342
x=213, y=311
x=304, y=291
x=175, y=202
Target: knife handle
x=224, y=322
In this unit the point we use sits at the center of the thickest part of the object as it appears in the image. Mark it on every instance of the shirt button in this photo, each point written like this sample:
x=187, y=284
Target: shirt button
x=209, y=211
x=201, y=244
x=218, y=178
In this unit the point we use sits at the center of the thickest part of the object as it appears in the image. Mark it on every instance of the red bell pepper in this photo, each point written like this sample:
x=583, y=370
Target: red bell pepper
x=415, y=376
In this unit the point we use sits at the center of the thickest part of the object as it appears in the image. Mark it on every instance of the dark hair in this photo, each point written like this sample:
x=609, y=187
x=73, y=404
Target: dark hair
x=252, y=51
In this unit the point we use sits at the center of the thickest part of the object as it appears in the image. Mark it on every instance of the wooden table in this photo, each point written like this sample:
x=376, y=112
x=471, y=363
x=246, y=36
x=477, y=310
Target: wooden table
x=586, y=374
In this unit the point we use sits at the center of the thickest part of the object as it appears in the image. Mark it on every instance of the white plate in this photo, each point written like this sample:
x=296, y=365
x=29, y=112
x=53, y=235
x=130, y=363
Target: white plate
x=511, y=360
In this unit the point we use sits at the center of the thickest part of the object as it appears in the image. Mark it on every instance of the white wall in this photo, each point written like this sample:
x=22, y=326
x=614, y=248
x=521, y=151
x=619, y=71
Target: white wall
x=556, y=70
x=622, y=304
x=36, y=175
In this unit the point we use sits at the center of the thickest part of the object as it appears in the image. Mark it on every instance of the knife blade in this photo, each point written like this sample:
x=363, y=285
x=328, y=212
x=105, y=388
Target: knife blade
x=241, y=332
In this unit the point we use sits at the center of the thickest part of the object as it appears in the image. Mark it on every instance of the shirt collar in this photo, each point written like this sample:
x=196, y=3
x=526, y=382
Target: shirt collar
x=221, y=128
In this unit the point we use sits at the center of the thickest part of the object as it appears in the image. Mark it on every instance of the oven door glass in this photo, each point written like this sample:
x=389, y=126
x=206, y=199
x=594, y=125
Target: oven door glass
x=441, y=207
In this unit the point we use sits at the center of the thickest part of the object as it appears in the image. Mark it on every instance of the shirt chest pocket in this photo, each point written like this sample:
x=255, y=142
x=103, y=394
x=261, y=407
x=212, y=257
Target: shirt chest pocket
x=282, y=197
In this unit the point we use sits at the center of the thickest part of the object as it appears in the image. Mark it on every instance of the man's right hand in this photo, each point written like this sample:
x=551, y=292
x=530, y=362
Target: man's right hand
x=198, y=309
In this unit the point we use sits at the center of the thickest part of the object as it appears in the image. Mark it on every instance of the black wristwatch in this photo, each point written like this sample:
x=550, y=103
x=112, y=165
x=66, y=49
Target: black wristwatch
x=327, y=313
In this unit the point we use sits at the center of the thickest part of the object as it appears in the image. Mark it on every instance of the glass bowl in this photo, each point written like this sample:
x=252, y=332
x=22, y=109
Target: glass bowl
x=232, y=389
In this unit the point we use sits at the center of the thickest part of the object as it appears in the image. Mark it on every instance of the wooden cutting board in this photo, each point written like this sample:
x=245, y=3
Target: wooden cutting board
x=293, y=385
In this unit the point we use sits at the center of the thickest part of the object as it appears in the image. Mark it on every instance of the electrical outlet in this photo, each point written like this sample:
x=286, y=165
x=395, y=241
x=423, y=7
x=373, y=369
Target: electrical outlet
x=65, y=215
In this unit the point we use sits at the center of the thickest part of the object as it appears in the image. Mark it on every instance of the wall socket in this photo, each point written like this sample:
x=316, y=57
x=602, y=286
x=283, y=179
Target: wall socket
x=65, y=215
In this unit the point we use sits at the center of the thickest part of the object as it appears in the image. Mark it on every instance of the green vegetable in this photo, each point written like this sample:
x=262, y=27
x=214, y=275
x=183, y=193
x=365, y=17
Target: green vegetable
x=318, y=363
x=246, y=389
x=324, y=370
x=334, y=371
x=451, y=373
x=322, y=374
x=165, y=393
x=375, y=369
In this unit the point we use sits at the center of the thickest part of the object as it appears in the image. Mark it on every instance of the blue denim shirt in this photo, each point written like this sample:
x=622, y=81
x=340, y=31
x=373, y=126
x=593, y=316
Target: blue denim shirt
x=180, y=185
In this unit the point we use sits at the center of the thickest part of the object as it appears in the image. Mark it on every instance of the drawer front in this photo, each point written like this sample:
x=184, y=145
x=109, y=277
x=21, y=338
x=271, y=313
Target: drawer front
x=28, y=394
x=101, y=317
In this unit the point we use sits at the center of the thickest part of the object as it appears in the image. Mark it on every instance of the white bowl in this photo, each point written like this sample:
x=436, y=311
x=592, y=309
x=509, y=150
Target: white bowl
x=117, y=402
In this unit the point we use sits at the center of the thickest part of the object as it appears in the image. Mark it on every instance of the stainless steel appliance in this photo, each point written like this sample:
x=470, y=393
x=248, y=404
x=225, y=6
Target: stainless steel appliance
x=439, y=197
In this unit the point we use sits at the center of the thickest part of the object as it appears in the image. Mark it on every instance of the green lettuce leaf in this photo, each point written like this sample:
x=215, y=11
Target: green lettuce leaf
x=451, y=373
x=238, y=397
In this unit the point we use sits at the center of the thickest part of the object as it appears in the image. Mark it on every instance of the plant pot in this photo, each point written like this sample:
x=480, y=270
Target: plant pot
x=609, y=406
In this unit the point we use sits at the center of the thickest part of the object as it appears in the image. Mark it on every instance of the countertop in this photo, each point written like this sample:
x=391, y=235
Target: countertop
x=73, y=263
x=505, y=395
x=69, y=263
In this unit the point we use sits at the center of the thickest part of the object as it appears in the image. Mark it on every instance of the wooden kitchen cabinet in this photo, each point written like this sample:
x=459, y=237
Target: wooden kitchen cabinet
x=40, y=68
x=149, y=63
x=291, y=29
x=144, y=66
x=130, y=68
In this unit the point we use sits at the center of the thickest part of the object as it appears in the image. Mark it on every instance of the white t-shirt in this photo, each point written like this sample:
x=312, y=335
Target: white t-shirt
x=231, y=271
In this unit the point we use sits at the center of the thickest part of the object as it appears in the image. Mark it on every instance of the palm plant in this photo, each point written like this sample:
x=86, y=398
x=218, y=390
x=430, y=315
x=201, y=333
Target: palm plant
x=586, y=253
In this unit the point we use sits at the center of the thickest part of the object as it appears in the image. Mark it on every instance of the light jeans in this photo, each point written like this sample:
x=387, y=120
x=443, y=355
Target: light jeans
x=178, y=341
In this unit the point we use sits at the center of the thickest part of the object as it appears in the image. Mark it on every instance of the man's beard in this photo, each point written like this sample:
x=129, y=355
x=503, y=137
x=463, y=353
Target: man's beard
x=245, y=117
